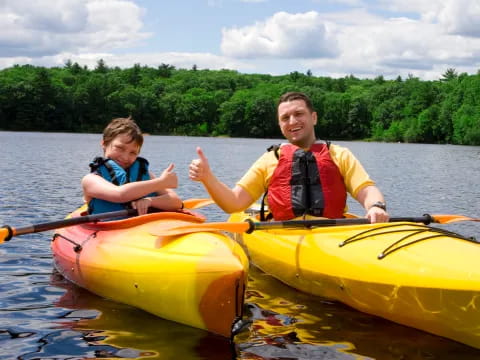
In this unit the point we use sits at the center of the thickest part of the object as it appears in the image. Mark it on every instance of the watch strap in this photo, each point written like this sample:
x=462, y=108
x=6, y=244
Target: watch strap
x=380, y=205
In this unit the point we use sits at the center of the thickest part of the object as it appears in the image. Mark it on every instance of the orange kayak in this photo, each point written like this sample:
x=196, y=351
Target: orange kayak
x=197, y=279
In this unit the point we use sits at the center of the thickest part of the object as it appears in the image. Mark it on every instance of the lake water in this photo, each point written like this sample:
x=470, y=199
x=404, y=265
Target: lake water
x=42, y=316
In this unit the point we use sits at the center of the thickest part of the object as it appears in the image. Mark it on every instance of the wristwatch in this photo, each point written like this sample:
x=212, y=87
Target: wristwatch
x=380, y=205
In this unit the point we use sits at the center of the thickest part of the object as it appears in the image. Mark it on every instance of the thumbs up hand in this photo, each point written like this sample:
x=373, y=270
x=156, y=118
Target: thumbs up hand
x=199, y=169
x=169, y=177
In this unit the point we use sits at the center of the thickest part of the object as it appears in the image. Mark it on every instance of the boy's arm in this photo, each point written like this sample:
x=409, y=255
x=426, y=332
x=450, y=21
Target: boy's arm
x=94, y=186
x=168, y=200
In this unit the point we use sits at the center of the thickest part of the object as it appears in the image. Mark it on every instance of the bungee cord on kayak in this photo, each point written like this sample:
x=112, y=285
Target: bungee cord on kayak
x=77, y=247
x=424, y=284
x=367, y=234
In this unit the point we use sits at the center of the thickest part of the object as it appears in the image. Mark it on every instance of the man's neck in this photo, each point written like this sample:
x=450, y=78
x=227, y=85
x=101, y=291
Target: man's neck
x=306, y=144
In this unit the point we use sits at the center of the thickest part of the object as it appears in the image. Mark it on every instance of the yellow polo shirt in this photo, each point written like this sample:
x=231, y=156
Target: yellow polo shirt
x=256, y=179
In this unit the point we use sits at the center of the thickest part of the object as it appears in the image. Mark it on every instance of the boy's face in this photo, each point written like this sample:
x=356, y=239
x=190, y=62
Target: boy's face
x=122, y=150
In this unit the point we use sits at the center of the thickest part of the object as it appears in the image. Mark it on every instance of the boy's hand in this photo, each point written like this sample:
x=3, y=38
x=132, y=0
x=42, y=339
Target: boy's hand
x=169, y=178
x=142, y=205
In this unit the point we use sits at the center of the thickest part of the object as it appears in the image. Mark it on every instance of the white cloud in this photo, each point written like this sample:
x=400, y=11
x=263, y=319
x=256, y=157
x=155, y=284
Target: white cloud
x=282, y=35
x=461, y=17
x=413, y=6
x=370, y=45
x=45, y=15
x=424, y=39
x=47, y=27
x=114, y=23
x=179, y=60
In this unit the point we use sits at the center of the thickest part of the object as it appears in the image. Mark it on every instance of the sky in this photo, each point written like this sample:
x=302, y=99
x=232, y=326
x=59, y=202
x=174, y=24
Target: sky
x=334, y=38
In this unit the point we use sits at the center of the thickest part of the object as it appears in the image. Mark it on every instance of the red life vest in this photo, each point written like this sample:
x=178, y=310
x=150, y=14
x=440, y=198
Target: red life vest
x=306, y=182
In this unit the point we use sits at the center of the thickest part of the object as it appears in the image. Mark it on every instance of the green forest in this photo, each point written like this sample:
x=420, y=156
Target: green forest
x=170, y=101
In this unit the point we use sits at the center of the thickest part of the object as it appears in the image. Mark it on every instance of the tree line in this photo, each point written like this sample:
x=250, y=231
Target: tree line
x=170, y=101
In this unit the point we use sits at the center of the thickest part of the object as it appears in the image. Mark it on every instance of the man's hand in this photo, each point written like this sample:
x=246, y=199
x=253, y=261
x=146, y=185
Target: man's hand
x=377, y=215
x=199, y=169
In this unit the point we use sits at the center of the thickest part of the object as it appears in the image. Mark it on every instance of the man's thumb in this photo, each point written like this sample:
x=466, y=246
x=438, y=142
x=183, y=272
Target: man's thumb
x=201, y=155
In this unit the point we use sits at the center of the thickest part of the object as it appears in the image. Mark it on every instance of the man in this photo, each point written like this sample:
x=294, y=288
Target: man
x=303, y=177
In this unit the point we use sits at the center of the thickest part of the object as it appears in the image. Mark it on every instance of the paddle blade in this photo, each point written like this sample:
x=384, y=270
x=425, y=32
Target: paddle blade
x=209, y=227
x=196, y=203
x=448, y=219
x=4, y=234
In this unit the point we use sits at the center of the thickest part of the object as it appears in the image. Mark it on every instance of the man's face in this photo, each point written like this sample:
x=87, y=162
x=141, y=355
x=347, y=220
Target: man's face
x=297, y=123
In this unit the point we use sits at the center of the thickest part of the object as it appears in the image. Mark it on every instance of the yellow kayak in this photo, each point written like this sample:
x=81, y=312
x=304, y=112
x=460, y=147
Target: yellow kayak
x=197, y=279
x=409, y=273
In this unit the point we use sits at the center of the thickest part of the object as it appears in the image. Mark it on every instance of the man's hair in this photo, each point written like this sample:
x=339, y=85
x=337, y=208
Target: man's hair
x=125, y=126
x=294, y=95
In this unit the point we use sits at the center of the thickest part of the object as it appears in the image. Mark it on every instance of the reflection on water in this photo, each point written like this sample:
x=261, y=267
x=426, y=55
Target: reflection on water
x=132, y=332
x=311, y=326
x=42, y=316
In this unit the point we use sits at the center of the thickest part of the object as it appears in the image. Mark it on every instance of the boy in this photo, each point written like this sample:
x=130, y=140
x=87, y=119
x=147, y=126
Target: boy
x=121, y=178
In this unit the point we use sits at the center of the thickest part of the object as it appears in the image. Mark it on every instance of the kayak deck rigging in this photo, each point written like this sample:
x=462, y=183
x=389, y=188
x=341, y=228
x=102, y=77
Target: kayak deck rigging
x=397, y=245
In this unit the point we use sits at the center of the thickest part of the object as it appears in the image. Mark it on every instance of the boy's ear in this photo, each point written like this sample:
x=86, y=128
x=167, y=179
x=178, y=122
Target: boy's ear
x=102, y=144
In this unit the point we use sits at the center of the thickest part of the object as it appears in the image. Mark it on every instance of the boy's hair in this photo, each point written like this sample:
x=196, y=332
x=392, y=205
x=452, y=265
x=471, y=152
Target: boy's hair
x=294, y=95
x=125, y=126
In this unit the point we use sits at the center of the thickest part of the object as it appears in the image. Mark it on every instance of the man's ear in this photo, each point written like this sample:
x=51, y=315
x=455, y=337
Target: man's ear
x=314, y=116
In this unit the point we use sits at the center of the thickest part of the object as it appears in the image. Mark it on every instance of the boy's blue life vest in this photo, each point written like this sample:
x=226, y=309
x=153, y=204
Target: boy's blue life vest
x=111, y=171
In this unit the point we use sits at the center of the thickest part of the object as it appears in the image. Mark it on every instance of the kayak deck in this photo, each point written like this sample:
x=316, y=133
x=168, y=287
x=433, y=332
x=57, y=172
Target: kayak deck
x=197, y=279
x=409, y=273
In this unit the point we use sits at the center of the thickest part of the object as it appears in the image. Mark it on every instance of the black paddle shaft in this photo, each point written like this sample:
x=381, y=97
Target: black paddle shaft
x=425, y=219
x=67, y=222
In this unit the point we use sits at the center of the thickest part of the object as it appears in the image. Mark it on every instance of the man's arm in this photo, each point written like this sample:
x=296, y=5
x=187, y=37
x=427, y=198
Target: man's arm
x=368, y=196
x=230, y=200
x=358, y=183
